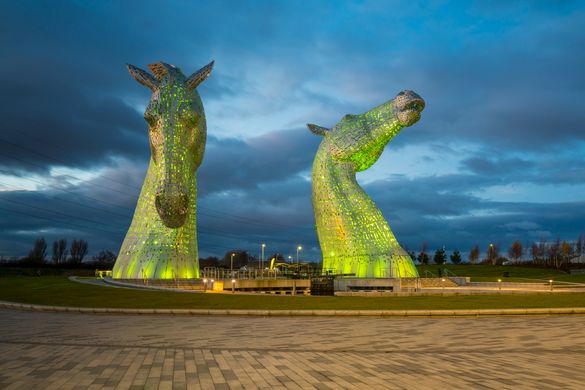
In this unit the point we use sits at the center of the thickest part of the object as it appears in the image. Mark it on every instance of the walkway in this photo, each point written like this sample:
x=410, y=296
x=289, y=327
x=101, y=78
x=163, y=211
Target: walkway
x=63, y=351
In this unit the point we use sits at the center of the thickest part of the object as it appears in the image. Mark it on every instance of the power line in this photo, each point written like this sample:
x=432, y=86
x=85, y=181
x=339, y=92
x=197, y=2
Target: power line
x=72, y=201
x=53, y=211
x=55, y=159
x=65, y=175
x=225, y=215
x=200, y=231
x=53, y=221
x=74, y=193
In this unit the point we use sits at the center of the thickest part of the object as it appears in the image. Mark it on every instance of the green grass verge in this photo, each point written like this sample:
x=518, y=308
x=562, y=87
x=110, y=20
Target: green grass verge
x=59, y=291
x=491, y=273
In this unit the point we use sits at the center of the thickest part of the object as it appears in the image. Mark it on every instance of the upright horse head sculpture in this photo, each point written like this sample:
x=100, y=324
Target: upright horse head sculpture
x=162, y=241
x=354, y=236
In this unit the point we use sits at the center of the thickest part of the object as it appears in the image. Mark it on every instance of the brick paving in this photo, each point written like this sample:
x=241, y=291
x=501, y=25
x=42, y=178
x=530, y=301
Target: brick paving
x=79, y=351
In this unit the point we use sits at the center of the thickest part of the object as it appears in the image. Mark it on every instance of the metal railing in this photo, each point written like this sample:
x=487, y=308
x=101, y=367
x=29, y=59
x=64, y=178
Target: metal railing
x=102, y=274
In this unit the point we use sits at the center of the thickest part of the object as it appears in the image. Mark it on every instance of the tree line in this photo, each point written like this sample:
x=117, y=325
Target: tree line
x=66, y=256
x=551, y=254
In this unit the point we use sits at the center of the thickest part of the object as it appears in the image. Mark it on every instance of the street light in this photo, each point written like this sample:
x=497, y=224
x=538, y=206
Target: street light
x=551, y=282
x=443, y=284
x=299, y=248
x=204, y=285
x=500, y=284
x=233, y=285
x=232, y=265
x=263, y=246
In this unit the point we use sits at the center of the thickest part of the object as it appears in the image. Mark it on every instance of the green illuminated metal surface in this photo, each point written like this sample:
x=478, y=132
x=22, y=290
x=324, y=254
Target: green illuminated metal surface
x=353, y=234
x=162, y=240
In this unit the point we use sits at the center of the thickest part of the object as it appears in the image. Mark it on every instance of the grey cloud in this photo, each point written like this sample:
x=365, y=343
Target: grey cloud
x=509, y=82
x=242, y=164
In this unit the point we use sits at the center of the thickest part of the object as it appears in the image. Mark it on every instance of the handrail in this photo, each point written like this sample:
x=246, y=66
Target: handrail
x=449, y=273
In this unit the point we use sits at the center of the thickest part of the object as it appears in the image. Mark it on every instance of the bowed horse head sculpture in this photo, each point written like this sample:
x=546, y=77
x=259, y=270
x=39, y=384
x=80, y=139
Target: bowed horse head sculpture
x=161, y=242
x=353, y=234
x=177, y=133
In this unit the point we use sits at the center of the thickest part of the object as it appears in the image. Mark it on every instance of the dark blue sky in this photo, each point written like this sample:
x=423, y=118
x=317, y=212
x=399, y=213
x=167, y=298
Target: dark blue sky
x=498, y=155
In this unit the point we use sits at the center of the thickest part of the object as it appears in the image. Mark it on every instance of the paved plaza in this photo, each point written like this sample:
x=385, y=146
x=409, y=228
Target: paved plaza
x=63, y=351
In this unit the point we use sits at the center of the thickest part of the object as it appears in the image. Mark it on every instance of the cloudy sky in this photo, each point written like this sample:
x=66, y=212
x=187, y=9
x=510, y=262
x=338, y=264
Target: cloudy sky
x=498, y=155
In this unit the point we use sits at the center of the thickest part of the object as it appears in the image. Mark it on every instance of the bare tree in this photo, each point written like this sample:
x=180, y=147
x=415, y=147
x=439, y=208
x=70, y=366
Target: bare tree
x=553, y=255
x=515, y=252
x=535, y=253
x=39, y=251
x=423, y=257
x=565, y=252
x=59, y=251
x=579, y=245
x=78, y=251
x=538, y=251
x=474, y=254
x=104, y=259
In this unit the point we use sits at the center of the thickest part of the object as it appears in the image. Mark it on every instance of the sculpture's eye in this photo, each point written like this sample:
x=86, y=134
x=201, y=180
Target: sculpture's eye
x=149, y=118
x=190, y=118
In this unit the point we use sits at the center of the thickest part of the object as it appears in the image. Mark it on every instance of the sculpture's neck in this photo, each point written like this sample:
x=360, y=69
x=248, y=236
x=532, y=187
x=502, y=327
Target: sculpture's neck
x=353, y=234
x=337, y=192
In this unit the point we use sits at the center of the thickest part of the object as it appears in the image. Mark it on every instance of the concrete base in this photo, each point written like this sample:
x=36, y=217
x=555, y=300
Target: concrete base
x=363, y=284
x=281, y=286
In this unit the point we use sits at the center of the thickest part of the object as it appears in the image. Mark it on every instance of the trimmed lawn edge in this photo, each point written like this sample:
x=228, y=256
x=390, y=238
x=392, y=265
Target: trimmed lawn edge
x=305, y=313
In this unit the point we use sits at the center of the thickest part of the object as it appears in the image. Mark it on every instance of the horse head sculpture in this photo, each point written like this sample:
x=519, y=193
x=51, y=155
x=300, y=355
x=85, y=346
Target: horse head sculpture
x=353, y=234
x=177, y=133
x=161, y=242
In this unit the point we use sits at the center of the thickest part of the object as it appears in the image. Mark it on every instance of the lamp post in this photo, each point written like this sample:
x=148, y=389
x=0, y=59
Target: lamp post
x=204, y=285
x=299, y=248
x=551, y=282
x=262, y=268
x=233, y=285
x=443, y=284
x=232, y=265
x=500, y=284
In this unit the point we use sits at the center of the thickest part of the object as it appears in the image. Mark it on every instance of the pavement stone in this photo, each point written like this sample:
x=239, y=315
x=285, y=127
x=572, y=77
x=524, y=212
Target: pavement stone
x=48, y=350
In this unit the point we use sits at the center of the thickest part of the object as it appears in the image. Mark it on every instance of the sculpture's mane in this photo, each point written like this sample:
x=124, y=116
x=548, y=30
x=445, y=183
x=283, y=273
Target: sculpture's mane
x=162, y=70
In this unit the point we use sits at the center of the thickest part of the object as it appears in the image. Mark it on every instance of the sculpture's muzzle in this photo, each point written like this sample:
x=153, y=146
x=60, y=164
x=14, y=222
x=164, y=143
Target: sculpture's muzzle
x=172, y=206
x=408, y=105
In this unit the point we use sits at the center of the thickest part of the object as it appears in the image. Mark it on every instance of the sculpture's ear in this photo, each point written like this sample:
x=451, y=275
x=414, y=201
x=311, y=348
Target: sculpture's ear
x=143, y=77
x=198, y=77
x=317, y=130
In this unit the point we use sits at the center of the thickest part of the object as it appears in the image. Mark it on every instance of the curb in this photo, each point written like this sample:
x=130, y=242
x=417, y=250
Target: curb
x=302, y=313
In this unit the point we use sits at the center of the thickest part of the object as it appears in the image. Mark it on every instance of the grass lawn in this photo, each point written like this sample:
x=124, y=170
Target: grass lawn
x=491, y=273
x=59, y=291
